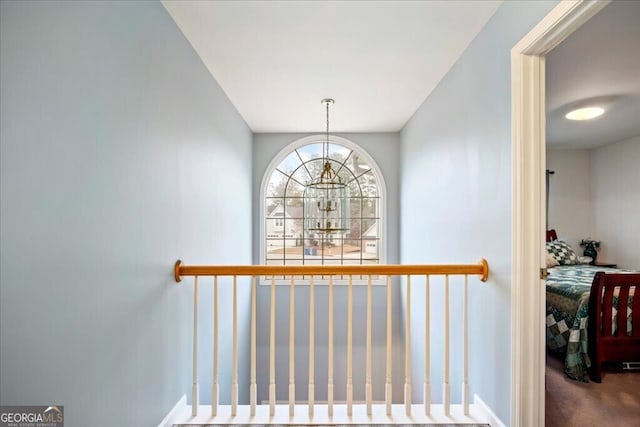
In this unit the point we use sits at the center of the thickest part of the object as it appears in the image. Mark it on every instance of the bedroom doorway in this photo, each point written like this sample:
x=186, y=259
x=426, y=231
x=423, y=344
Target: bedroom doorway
x=529, y=205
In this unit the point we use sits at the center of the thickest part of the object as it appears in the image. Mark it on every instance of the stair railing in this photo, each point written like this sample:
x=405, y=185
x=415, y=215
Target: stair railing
x=269, y=272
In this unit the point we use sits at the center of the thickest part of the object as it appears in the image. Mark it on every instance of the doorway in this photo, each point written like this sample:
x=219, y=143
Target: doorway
x=528, y=205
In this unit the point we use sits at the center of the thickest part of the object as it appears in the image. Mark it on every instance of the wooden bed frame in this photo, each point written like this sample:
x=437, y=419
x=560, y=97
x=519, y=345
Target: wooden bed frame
x=603, y=345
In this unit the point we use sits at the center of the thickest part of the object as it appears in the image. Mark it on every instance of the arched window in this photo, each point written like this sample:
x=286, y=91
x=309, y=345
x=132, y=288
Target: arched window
x=284, y=239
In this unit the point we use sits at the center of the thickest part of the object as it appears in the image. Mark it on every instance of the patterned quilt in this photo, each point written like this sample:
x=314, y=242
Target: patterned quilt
x=567, y=311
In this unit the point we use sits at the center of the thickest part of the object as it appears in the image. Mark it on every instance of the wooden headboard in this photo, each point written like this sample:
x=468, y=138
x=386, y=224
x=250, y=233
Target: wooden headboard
x=551, y=235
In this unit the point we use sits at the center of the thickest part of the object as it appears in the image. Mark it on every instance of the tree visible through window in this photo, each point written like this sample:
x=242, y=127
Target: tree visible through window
x=286, y=241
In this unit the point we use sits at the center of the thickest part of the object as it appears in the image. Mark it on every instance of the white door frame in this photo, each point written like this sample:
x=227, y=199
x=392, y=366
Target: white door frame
x=528, y=205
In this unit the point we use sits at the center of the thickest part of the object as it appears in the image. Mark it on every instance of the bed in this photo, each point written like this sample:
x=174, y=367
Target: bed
x=586, y=329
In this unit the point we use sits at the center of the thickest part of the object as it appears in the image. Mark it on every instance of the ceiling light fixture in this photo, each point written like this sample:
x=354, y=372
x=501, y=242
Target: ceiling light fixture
x=326, y=197
x=585, y=113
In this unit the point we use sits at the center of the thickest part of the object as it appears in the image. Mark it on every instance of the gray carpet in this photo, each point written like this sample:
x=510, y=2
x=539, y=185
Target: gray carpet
x=615, y=402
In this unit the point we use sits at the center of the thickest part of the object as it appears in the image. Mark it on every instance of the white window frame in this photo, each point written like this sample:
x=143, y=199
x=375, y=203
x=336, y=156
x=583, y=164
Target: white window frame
x=383, y=212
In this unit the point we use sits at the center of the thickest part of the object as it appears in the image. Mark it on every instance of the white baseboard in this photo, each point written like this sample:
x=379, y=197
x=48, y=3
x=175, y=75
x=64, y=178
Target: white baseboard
x=482, y=407
x=181, y=413
x=175, y=413
x=340, y=416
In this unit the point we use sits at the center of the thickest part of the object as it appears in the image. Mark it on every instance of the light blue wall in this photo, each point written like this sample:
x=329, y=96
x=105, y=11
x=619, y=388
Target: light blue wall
x=384, y=148
x=456, y=200
x=117, y=151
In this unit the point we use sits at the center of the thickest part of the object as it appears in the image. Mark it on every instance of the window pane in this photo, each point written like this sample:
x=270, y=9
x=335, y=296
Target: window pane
x=343, y=172
x=310, y=151
x=272, y=204
x=294, y=189
x=290, y=163
x=354, y=188
x=276, y=184
x=355, y=207
x=369, y=227
x=304, y=173
x=370, y=208
x=369, y=185
x=354, y=232
x=292, y=204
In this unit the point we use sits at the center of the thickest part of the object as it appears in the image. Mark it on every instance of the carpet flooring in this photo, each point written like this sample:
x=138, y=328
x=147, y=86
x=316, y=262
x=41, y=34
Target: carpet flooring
x=613, y=403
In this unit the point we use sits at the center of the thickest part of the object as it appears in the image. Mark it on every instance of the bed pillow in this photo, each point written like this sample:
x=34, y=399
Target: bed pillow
x=562, y=252
x=551, y=261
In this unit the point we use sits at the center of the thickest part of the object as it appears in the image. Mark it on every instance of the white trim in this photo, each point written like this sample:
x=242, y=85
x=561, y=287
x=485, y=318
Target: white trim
x=528, y=205
x=486, y=412
x=359, y=416
x=382, y=187
x=176, y=413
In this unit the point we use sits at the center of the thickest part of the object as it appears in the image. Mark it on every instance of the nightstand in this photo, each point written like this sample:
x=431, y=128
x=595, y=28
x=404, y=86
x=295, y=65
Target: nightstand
x=604, y=264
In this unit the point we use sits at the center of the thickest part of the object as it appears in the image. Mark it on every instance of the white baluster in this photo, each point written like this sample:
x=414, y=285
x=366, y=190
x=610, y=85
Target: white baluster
x=272, y=350
x=368, y=386
x=292, y=331
x=350, y=348
x=330, y=351
x=195, y=391
x=215, y=398
x=234, y=372
x=427, y=349
x=407, y=352
x=446, y=393
x=312, y=315
x=253, y=388
x=465, y=349
x=388, y=385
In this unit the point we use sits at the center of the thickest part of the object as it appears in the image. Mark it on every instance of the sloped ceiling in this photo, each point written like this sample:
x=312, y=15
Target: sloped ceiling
x=379, y=60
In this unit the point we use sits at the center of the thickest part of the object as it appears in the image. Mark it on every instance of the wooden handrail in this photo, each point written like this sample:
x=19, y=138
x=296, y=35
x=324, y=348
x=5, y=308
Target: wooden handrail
x=481, y=269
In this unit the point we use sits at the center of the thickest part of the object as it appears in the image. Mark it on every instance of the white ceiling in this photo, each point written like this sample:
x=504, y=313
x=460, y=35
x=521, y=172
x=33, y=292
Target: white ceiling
x=598, y=64
x=379, y=60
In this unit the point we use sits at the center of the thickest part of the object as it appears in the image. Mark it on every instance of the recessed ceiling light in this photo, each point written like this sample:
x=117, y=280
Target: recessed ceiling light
x=586, y=113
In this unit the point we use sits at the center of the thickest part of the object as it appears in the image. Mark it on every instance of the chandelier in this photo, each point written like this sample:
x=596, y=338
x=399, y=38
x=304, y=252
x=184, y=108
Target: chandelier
x=326, y=196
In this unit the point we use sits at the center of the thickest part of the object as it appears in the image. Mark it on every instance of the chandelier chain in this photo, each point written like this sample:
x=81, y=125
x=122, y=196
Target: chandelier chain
x=325, y=144
x=326, y=156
